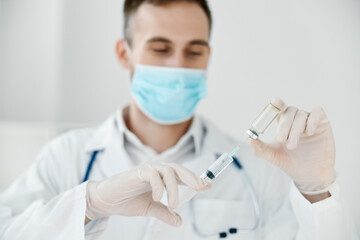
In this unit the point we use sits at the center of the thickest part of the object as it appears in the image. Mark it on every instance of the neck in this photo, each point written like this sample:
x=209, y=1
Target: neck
x=158, y=137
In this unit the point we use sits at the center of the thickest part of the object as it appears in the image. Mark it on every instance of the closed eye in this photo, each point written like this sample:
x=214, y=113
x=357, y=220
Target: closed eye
x=160, y=50
x=195, y=53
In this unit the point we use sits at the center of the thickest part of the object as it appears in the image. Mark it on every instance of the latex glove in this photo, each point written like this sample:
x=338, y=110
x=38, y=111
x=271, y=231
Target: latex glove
x=137, y=192
x=304, y=148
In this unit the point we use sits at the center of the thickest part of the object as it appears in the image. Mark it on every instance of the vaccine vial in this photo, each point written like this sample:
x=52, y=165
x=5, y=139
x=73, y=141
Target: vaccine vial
x=262, y=122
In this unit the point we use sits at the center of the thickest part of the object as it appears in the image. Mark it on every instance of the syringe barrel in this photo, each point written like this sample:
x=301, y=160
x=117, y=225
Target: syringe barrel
x=216, y=168
x=262, y=122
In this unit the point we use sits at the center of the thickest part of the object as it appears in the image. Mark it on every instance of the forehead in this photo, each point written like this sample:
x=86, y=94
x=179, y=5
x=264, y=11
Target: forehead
x=179, y=22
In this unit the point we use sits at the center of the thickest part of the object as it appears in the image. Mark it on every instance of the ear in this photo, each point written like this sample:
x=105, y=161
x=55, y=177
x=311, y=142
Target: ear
x=209, y=52
x=122, y=54
x=208, y=55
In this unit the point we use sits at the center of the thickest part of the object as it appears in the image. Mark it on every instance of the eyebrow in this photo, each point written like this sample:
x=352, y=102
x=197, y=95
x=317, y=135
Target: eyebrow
x=165, y=40
x=199, y=42
x=158, y=39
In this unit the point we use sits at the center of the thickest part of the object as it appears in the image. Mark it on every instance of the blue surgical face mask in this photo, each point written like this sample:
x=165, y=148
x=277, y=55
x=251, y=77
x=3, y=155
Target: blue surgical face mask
x=168, y=95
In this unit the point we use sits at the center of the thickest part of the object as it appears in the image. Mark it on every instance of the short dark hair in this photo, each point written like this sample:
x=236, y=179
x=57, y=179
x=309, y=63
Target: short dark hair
x=131, y=6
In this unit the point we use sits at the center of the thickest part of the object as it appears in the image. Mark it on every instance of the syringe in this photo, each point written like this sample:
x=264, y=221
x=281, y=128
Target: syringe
x=218, y=166
x=210, y=174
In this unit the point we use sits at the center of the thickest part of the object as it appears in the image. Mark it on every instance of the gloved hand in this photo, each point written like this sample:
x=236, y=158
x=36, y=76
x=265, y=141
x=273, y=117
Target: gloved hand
x=137, y=192
x=304, y=148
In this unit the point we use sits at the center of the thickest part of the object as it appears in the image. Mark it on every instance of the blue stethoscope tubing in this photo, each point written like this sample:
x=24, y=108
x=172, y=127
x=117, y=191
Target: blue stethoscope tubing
x=90, y=165
x=245, y=178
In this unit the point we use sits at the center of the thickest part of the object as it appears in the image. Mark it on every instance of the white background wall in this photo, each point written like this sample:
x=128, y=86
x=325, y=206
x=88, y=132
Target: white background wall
x=58, y=70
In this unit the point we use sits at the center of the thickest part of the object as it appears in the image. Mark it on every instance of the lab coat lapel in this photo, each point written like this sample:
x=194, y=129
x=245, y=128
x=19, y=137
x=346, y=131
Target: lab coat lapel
x=110, y=141
x=115, y=158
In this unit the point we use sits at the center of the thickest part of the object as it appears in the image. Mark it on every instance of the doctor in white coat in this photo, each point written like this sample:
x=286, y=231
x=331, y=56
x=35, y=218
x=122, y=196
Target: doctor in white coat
x=122, y=179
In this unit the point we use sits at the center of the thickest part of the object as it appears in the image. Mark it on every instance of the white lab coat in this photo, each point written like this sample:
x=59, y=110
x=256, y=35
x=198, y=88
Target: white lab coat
x=48, y=201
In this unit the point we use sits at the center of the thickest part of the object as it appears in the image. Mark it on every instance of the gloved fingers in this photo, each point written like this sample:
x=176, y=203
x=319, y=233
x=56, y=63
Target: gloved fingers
x=279, y=103
x=285, y=122
x=146, y=173
x=316, y=116
x=161, y=212
x=171, y=175
x=157, y=185
x=187, y=177
x=297, y=129
x=171, y=185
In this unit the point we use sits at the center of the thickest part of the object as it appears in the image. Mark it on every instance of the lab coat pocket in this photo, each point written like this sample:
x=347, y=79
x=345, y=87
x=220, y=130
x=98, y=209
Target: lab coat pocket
x=212, y=216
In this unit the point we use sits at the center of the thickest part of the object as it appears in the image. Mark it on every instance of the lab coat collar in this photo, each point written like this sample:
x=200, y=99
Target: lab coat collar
x=195, y=132
x=102, y=135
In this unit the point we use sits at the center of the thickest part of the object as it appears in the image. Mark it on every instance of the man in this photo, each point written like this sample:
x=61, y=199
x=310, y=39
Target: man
x=143, y=153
